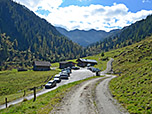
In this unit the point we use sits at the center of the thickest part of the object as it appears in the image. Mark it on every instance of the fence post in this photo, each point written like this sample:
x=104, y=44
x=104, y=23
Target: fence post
x=34, y=89
x=6, y=102
x=24, y=93
x=41, y=86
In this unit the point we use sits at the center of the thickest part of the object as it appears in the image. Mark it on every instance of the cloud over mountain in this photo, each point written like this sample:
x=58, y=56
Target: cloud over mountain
x=97, y=17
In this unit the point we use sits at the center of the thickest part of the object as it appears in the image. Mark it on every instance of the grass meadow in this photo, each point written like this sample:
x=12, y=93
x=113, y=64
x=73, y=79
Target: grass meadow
x=13, y=83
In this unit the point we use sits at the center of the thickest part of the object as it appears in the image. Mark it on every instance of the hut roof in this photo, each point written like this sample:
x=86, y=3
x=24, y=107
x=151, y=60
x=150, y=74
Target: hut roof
x=87, y=60
x=42, y=63
x=66, y=62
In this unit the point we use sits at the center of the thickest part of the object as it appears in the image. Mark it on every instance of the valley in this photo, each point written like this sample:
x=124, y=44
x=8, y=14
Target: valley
x=115, y=38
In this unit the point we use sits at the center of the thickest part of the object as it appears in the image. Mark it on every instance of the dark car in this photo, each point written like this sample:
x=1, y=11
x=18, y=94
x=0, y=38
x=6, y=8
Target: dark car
x=50, y=84
x=90, y=68
x=64, y=75
x=93, y=69
x=69, y=69
x=75, y=68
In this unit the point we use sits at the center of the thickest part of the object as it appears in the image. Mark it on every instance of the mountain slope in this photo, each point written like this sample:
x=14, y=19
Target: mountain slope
x=127, y=36
x=133, y=87
x=32, y=36
x=85, y=38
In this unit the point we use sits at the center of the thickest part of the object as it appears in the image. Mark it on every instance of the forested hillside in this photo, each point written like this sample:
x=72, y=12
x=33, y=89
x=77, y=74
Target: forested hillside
x=128, y=35
x=25, y=37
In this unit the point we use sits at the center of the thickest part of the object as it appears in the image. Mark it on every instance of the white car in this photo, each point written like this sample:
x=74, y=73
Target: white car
x=50, y=84
x=64, y=75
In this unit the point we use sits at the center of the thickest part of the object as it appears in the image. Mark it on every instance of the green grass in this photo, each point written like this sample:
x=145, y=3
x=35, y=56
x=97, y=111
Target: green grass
x=55, y=65
x=44, y=103
x=13, y=83
x=133, y=88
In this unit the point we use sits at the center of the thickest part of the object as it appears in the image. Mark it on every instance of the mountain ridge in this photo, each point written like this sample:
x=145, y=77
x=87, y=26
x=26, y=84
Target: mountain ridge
x=126, y=36
x=86, y=37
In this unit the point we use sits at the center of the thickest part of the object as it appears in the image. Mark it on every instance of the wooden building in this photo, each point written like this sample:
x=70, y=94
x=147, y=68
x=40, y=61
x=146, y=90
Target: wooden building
x=66, y=64
x=86, y=62
x=41, y=66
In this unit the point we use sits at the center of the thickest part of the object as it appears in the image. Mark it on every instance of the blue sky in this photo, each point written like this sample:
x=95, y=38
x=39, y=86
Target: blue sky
x=133, y=5
x=90, y=14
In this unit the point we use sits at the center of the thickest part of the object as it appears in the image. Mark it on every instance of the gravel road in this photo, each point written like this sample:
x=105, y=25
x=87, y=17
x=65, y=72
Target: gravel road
x=89, y=98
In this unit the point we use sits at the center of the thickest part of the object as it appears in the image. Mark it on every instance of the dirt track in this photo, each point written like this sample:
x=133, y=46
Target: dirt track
x=87, y=98
x=79, y=100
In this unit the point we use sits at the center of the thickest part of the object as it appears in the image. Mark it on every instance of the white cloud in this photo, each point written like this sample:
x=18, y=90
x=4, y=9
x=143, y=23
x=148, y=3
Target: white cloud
x=95, y=17
x=45, y=4
x=87, y=17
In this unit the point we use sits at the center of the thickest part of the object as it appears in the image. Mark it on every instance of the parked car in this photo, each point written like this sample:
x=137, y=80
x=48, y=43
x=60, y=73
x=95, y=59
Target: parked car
x=90, y=68
x=68, y=70
x=75, y=68
x=57, y=76
x=64, y=75
x=93, y=69
x=50, y=84
x=58, y=80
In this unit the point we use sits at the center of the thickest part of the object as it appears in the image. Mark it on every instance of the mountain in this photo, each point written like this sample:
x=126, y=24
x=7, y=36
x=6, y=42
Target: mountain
x=85, y=38
x=126, y=36
x=25, y=37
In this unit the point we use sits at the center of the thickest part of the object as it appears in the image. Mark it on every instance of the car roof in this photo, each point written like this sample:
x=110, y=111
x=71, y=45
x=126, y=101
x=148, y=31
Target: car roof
x=51, y=81
x=57, y=75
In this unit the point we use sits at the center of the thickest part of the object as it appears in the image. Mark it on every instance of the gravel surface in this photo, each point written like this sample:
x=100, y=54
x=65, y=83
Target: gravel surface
x=79, y=100
x=104, y=100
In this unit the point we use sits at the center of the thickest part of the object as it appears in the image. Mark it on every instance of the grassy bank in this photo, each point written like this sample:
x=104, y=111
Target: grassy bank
x=44, y=103
x=13, y=83
x=133, y=89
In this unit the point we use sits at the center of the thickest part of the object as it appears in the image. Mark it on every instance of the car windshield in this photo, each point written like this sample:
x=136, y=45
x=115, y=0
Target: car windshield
x=56, y=78
x=49, y=82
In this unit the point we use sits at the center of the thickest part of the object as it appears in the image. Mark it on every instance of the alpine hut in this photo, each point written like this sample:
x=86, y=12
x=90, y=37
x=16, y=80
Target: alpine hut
x=41, y=65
